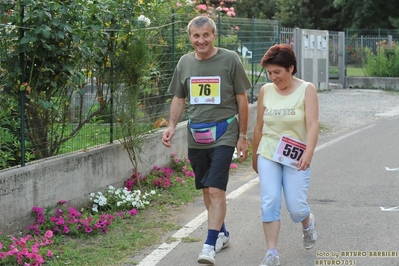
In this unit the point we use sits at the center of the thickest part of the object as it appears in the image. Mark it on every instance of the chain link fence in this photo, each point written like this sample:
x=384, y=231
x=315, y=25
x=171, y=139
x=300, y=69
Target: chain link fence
x=85, y=113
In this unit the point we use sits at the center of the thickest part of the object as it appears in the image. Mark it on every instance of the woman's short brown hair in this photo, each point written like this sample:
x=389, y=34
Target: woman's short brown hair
x=281, y=55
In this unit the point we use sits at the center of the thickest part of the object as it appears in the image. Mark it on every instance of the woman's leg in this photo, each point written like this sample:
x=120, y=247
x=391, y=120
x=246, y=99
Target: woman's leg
x=270, y=180
x=295, y=186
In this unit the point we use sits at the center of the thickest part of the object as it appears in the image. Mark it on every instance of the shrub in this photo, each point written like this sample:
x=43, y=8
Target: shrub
x=386, y=62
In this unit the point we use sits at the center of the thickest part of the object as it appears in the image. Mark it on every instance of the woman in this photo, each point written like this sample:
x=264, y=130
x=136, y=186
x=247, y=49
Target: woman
x=284, y=140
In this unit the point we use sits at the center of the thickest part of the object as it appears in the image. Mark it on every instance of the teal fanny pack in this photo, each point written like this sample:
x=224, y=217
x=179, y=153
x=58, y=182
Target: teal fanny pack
x=207, y=133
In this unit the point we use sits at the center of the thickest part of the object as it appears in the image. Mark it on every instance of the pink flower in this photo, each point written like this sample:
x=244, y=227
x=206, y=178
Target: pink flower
x=233, y=166
x=49, y=253
x=62, y=202
x=35, y=249
x=66, y=230
x=237, y=28
x=49, y=234
x=202, y=7
x=133, y=212
x=178, y=4
x=60, y=221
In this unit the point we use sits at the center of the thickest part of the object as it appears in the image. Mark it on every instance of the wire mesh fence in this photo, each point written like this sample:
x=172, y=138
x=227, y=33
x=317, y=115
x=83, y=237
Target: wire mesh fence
x=363, y=45
x=38, y=122
x=62, y=86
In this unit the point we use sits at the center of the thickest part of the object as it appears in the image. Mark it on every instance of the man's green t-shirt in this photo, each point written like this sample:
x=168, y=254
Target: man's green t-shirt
x=227, y=67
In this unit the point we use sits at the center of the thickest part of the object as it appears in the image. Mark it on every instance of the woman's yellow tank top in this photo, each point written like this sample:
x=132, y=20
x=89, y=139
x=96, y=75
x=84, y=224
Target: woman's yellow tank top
x=284, y=115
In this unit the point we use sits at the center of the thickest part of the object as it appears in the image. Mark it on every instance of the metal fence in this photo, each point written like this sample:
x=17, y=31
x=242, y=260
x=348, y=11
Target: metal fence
x=250, y=38
x=360, y=42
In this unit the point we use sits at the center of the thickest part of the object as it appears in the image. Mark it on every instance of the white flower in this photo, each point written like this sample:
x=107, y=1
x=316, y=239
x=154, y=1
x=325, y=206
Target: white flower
x=144, y=19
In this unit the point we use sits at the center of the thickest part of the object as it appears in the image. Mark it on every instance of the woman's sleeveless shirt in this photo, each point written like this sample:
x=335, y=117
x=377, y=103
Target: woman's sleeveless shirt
x=283, y=115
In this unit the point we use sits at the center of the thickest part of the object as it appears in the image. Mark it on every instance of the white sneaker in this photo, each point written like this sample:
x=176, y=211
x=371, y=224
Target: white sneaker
x=270, y=260
x=310, y=235
x=207, y=255
x=222, y=242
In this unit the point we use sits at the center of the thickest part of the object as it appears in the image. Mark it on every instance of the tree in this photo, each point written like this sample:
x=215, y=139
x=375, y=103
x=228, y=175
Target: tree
x=294, y=13
x=63, y=44
x=366, y=14
x=257, y=9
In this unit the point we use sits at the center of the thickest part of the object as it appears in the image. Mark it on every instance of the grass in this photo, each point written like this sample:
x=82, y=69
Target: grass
x=350, y=71
x=355, y=72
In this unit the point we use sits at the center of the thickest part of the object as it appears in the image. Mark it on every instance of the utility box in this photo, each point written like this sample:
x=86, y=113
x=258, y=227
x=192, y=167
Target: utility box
x=312, y=56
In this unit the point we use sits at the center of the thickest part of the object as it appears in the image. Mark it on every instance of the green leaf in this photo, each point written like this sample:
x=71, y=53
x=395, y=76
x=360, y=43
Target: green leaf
x=25, y=40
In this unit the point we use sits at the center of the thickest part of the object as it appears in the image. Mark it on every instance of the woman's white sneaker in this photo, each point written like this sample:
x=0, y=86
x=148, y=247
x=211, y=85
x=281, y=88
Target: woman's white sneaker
x=310, y=235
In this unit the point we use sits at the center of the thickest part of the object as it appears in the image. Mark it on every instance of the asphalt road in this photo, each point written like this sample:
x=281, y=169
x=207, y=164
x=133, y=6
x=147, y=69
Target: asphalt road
x=349, y=185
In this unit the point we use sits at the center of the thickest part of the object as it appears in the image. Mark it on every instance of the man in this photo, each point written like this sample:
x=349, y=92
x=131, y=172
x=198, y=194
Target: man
x=214, y=82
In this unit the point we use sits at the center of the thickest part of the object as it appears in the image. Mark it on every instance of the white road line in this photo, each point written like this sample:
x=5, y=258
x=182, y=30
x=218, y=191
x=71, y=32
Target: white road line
x=158, y=254
x=325, y=145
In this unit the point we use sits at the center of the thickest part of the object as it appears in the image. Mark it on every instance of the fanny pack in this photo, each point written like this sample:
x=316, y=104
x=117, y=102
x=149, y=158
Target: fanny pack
x=207, y=133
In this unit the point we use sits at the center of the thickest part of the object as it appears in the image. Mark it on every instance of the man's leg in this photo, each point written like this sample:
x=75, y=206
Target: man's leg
x=215, y=199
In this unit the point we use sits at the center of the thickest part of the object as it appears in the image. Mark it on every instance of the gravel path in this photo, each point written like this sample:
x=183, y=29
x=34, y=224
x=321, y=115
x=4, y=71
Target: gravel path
x=344, y=109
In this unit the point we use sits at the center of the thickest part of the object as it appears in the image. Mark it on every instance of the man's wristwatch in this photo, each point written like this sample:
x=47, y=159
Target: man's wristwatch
x=244, y=136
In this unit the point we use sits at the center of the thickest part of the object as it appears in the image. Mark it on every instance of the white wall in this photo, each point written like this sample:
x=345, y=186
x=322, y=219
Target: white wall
x=74, y=176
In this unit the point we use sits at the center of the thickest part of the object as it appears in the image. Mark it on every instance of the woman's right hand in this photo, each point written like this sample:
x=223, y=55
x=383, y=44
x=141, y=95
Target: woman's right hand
x=255, y=162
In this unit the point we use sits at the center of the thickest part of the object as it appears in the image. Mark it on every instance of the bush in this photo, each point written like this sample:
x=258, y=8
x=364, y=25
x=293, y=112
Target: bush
x=386, y=62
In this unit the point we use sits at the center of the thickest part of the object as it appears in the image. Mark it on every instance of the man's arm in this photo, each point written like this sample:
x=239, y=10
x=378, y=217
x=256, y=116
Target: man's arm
x=243, y=112
x=176, y=111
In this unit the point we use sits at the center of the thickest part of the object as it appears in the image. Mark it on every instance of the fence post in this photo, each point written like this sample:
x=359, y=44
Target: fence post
x=379, y=52
x=111, y=124
x=21, y=93
x=298, y=51
x=219, y=30
x=341, y=58
x=173, y=41
x=252, y=59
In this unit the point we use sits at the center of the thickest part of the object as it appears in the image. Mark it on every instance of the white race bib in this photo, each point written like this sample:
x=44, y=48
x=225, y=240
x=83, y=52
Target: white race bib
x=289, y=151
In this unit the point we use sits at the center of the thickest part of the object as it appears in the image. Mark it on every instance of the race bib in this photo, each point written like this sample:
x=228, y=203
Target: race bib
x=205, y=90
x=289, y=151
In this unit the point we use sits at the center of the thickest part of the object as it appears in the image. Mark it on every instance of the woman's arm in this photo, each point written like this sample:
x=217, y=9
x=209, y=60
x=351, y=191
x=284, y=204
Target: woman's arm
x=312, y=124
x=260, y=110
